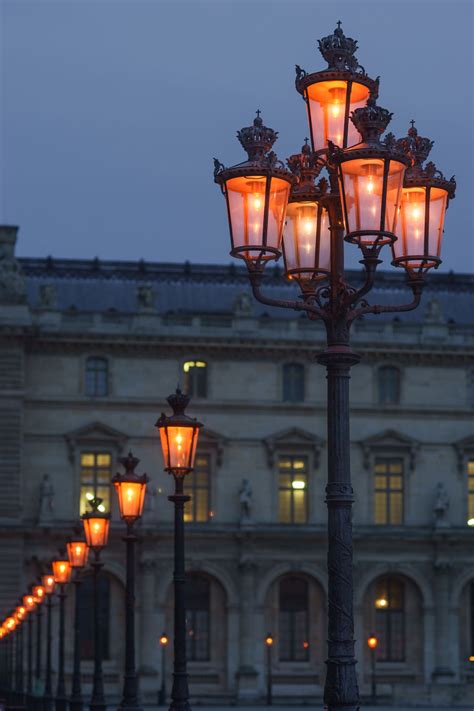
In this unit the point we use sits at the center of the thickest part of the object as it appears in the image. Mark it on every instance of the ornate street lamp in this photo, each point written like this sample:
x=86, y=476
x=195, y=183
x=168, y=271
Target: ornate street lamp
x=29, y=603
x=40, y=595
x=372, y=643
x=130, y=488
x=377, y=193
x=77, y=553
x=96, y=528
x=49, y=585
x=269, y=648
x=62, y=575
x=179, y=436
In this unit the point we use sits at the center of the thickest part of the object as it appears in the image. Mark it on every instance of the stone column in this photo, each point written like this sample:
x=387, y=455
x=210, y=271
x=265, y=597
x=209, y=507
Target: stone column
x=247, y=674
x=444, y=653
x=149, y=652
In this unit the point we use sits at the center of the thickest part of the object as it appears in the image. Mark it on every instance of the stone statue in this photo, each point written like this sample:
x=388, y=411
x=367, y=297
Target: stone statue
x=46, y=503
x=433, y=312
x=145, y=298
x=441, y=506
x=243, y=305
x=47, y=296
x=245, y=498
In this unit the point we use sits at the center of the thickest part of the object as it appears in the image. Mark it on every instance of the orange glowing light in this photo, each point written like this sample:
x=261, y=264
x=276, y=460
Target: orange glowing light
x=29, y=602
x=48, y=584
x=269, y=640
x=39, y=593
x=62, y=571
x=78, y=553
x=305, y=644
x=163, y=640
x=372, y=642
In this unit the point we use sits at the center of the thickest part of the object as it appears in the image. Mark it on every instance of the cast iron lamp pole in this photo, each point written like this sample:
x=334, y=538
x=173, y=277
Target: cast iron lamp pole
x=269, y=647
x=39, y=595
x=372, y=643
x=179, y=436
x=378, y=194
x=77, y=552
x=49, y=585
x=96, y=529
x=29, y=603
x=130, y=488
x=20, y=615
x=62, y=575
x=162, y=692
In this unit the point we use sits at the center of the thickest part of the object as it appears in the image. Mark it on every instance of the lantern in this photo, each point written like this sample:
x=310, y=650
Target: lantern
x=77, y=552
x=269, y=640
x=10, y=623
x=39, y=593
x=96, y=525
x=306, y=236
x=179, y=435
x=48, y=584
x=371, y=179
x=164, y=640
x=256, y=193
x=19, y=614
x=332, y=94
x=372, y=642
x=29, y=602
x=425, y=197
x=62, y=571
x=130, y=488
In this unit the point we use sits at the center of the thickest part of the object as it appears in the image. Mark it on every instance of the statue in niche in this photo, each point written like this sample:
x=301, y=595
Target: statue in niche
x=245, y=498
x=145, y=298
x=46, y=503
x=47, y=296
x=441, y=506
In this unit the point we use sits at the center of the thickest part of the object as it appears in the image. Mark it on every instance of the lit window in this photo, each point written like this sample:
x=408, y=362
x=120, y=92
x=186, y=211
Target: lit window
x=195, y=378
x=388, y=495
x=389, y=385
x=293, y=620
x=470, y=489
x=292, y=489
x=390, y=619
x=293, y=382
x=197, y=618
x=96, y=472
x=96, y=377
x=197, y=486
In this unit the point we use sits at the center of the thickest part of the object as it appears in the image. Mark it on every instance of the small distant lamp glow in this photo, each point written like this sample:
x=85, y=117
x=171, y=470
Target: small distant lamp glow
x=39, y=593
x=306, y=644
x=372, y=642
x=164, y=640
x=130, y=488
x=381, y=603
x=470, y=522
x=298, y=484
x=77, y=552
x=471, y=658
x=29, y=602
x=48, y=584
x=179, y=436
x=96, y=525
x=269, y=640
x=62, y=571
x=10, y=623
x=20, y=612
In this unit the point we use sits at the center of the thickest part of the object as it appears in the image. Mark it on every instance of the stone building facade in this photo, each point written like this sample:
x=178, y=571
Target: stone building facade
x=89, y=350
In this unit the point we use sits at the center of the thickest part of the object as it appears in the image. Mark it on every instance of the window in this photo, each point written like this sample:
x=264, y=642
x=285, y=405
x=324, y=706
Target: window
x=197, y=486
x=470, y=489
x=195, y=378
x=96, y=377
x=389, y=491
x=293, y=620
x=293, y=382
x=390, y=619
x=197, y=618
x=389, y=385
x=86, y=615
x=96, y=472
x=292, y=489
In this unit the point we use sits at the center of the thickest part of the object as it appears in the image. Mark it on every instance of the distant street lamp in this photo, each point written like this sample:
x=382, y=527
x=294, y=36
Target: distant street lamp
x=19, y=615
x=162, y=692
x=96, y=528
x=78, y=553
x=130, y=488
x=372, y=643
x=377, y=192
x=30, y=604
x=179, y=436
x=40, y=596
x=269, y=647
x=62, y=575
x=49, y=585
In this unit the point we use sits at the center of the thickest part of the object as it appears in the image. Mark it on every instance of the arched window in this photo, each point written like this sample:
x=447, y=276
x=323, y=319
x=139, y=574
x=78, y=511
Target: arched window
x=293, y=382
x=388, y=385
x=390, y=619
x=96, y=381
x=293, y=620
x=86, y=615
x=197, y=486
x=197, y=618
x=195, y=378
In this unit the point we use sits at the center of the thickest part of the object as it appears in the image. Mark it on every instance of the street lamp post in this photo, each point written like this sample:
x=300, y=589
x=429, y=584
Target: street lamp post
x=62, y=575
x=49, y=585
x=130, y=488
x=162, y=692
x=77, y=552
x=372, y=643
x=19, y=615
x=39, y=594
x=269, y=647
x=179, y=435
x=96, y=529
x=29, y=603
x=378, y=193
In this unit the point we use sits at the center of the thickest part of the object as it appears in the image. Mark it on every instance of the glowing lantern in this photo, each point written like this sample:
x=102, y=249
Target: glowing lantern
x=269, y=640
x=164, y=640
x=96, y=525
x=372, y=642
x=425, y=198
x=10, y=623
x=332, y=94
x=257, y=193
x=179, y=435
x=39, y=593
x=62, y=571
x=29, y=602
x=77, y=552
x=48, y=584
x=130, y=488
x=371, y=179
x=381, y=603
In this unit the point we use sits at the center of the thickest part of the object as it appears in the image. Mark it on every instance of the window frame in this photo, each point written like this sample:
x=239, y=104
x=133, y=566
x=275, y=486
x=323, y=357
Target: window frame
x=189, y=490
x=302, y=370
x=185, y=375
x=388, y=490
x=87, y=360
x=95, y=452
x=379, y=384
x=292, y=456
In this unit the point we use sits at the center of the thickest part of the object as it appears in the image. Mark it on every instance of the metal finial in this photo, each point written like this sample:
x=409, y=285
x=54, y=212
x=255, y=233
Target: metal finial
x=306, y=140
x=412, y=123
x=339, y=23
x=258, y=113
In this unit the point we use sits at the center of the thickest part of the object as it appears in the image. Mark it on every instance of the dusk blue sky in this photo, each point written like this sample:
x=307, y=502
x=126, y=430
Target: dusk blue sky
x=112, y=110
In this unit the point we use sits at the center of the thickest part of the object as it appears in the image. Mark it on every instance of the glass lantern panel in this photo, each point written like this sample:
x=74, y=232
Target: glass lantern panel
x=131, y=498
x=306, y=239
x=396, y=171
x=246, y=200
x=438, y=203
x=363, y=184
x=411, y=240
x=327, y=111
x=278, y=201
x=179, y=446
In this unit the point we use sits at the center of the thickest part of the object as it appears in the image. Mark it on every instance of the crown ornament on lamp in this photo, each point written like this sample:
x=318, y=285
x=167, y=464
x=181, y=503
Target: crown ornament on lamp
x=339, y=51
x=257, y=140
x=416, y=147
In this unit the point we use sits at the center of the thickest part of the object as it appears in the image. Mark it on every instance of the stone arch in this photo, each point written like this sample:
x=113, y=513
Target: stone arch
x=458, y=586
x=405, y=570
x=277, y=571
x=213, y=570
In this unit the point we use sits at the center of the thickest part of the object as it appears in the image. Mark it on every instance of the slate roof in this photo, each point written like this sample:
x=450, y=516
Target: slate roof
x=93, y=285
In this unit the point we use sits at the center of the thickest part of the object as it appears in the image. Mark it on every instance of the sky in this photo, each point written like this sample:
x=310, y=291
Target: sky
x=112, y=110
